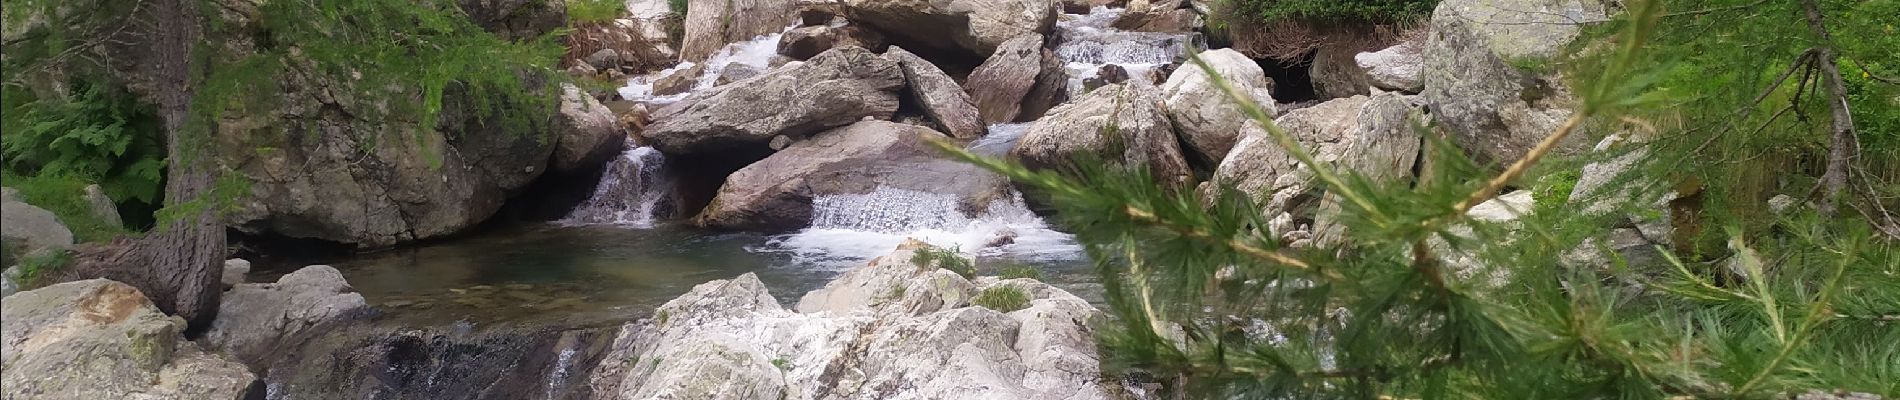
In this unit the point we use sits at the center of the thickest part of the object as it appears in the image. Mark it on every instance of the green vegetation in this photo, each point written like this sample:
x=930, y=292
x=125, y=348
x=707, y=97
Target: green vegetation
x=38, y=264
x=585, y=11
x=782, y=364
x=97, y=134
x=1002, y=298
x=938, y=257
x=1784, y=304
x=64, y=196
x=1021, y=271
x=1334, y=10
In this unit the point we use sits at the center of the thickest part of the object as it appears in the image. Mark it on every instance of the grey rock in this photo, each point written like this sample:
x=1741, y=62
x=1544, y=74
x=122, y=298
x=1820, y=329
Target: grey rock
x=582, y=70
x=1395, y=68
x=1000, y=83
x=1209, y=121
x=942, y=100
x=1165, y=16
x=975, y=28
x=605, y=59
x=587, y=133
x=10, y=280
x=99, y=339
x=1383, y=148
x=1083, y=127
x=777, y=193
x=804, y=42
x=679, y=81
x=236, y=271
x=1490, y=107
x=735, y=72
x=1269, y=176
x=1051, y=88
x=711, y=24
x=256, y=321
x=836, y=88
x=1336, y=74
x=102, y=206
x=33, y=228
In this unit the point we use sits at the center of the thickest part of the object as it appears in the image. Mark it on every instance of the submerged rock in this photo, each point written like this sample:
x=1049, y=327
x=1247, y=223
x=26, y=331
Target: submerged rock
x=1209, y=121
x=889, y=329
x=835, y=88
x=777, y=193
x=1485, y=72
x=257, y=321
x=99, y=339
x=1120, y=124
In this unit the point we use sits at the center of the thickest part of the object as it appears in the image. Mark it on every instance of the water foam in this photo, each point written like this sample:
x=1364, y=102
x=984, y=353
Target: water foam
x=756, y=53
x=848, y=229
x=1087, y=43
x=635, y=191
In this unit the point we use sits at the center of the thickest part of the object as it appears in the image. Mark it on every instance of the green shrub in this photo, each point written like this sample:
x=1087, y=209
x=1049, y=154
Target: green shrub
x=1335, y=10
x=938, y=257
x=1002, y=298
x=36, y=266
x=782, y=364
x=64, y=197
x=97, y=134
x=582, y=11
x=1021, y=271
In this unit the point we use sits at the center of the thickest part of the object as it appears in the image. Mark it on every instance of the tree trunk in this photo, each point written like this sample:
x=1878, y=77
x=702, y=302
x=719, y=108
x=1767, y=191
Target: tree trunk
x=178, y=265
x=1834, y=181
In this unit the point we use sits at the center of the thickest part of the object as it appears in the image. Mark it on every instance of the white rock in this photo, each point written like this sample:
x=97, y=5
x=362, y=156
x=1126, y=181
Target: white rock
x=1395, y=68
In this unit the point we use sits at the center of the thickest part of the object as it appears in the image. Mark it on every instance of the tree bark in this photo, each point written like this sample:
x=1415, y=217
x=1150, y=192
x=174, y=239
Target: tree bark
x=1840, y=150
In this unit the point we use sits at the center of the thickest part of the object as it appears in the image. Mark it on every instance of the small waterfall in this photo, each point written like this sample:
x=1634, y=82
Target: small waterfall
x=756, y=53
x=1087, y=43
x=848, y=229
x=1001, y=139
x=635, y=190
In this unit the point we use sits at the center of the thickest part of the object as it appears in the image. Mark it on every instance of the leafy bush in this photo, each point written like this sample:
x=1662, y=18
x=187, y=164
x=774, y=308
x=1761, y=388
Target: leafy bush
x=938, y=257
x=1002, y=298
x=97, y=134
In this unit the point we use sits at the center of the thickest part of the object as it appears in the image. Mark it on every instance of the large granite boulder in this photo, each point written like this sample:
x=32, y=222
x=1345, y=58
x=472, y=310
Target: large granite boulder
x=999, y=85
x=711, y=24
x=29, y=227
x=777, y=193
x=1209, y=121
x=99, y=339
x=1383, y=147
x=1372, y=136
x=1473, y=81
x=1395, y=68
x=941, y=98
x=258, y=321
x=889, y=329
x=1121, y=124
x=972, y=28
x=1335, y=71
x=587, y=133
x=835, y=88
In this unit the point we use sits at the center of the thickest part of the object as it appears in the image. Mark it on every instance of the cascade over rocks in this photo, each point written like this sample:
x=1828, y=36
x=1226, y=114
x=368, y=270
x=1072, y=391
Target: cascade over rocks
x=999, y=85
x=835, y=88
x=974, y=28
x=889, y=329
x=1127, y=116
x=1494, y=109
x=257, y=321
x=711, y=24
x=99, y=339
x=1210, y=123
x=776, y=193
x=942, y=100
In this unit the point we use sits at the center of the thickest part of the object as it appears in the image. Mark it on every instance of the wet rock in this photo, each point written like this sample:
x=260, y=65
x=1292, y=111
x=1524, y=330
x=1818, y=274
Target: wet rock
x=1395, y=68
x=587, y=133
x=31, y=228
x=975, y=28
x=1209, y=121
x=1107, y=75
x=679, y=81
x=815, y=17
x=999, y=85
x=1134, y=117
x=711, y=24
x=945, y=102
x=889, y=329
x=777, y=193
x=99, y=339
x=258, y=321
x=833, y=89
x=735, y=72
x=1474, y=86
x=102, y=206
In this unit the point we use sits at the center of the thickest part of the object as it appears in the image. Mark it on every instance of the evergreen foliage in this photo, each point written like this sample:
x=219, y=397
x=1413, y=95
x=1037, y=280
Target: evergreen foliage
x=97, y=134
x=1425, y=302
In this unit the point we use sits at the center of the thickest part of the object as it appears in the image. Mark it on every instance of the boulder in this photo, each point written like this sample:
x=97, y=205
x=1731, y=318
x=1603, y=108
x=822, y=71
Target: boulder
x=649, y=18
x=735, y=72
x=1278, y=183
x=942, y=100
x=804, y=42
x=1051, y=88
x=1382, y=147
x=972, y=28
x=99, y=339
x=1473, y=85
x=236, y=271
x=604, y=59
x=835, y=88
x=1108, y=74
x=102, y=206
x=257, y=321
x=1000, y=83
x=679, y=80
x=516, y=19
x=711, y=24
x=1336, y=74
x=1130, y=113
x=777, y=193
x=1165, y=16
x=1209, y=121
x=587, y=133
x=1395, y=68
x=889, y=329
x=31, y=227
